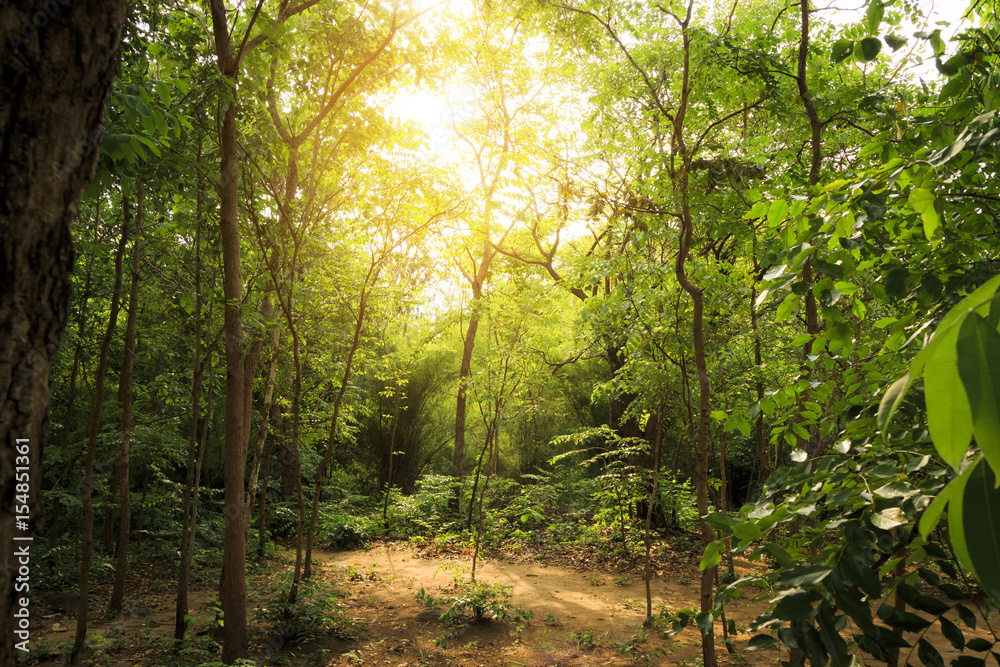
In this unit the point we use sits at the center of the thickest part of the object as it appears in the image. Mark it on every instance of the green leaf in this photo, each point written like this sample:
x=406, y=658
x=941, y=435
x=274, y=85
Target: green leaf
x=979, y=644
x=870, y=48
x=937, y=42
x=922, y=202
x=713, y=555
x=895, y=41
x=888, y=518
x=893, y=397
x=979, y=367
x=920, y=602
x=842, y=49
x=720, y=521
x=902, y=619
x=896, y=282
x=761, y=641
x=949, y=416
x=777, y=212
x=984, y=294
x=794, y=605
x=955, y=87
x=786, y=307
x=952, y=633
x=956, y=525
x=929, y=519
x=969, y=660
x=835, y=645
x=928, y=654
x=705, y=621
x=969, y=619
x=783, y=557
x=876, y=10
x=981, y=524
x=805, y=575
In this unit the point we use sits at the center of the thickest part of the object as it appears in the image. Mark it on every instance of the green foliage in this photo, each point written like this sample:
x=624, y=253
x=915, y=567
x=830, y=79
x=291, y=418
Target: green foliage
x=483, y=600
x=316, y=611
x=427, y=511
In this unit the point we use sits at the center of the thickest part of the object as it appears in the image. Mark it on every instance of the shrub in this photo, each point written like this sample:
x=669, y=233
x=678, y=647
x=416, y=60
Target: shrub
x=315, y=612
x=482, y=599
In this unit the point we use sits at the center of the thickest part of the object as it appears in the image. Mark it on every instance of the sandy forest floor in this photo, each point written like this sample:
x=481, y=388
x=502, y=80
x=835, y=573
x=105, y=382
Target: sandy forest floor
x=587, y=611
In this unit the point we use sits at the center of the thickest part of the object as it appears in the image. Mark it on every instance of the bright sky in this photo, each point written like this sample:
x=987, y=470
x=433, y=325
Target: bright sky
x=434, y=112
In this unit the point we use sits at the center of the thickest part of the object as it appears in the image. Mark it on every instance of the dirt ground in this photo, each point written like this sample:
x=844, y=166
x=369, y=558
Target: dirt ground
x=570, y=605
x=585, y=613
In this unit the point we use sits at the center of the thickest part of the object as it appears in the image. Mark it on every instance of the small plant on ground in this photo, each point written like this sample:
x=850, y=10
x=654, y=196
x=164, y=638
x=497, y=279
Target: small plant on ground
x=480, y=598
x=315, y=612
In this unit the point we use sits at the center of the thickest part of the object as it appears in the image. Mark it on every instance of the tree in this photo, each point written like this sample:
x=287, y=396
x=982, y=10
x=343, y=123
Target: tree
x=56, y=69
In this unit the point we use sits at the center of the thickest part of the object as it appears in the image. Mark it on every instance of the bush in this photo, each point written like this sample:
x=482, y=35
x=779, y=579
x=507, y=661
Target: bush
x=316, y=611
x=482, y=599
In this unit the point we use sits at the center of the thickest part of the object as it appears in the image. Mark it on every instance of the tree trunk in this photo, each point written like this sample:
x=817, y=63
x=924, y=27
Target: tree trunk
x=81, y=321
x=681, y=190
x=187, y=540
x=647, y=567
x=57, y=63
x=265, y=418
x=128, y=366
x=266, y=463
x=95, y=422
x=464, y=371
x=232, y=587
x=370, y=280
x=392, y=453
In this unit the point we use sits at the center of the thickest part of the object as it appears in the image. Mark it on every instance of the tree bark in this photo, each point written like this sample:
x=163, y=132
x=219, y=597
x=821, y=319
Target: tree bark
x=57, y=63
x=125, y=394
x=232, y=587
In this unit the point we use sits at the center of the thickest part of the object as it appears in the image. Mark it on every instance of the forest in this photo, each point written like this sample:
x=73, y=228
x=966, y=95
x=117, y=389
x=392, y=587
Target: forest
x=307, y=301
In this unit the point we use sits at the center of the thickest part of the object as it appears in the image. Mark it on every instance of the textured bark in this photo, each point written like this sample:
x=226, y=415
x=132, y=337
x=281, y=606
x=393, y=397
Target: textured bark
x=75, y=656
x=232, y=593
x=56, y=67
x=125, y=396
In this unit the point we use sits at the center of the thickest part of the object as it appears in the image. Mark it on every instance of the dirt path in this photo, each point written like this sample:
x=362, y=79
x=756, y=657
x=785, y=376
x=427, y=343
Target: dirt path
x=580, y=617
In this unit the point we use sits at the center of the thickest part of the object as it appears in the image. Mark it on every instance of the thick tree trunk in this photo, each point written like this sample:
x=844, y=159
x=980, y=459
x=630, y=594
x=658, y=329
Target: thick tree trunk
x=125, y=394
x=75, y=656
x=57, y=62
